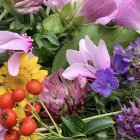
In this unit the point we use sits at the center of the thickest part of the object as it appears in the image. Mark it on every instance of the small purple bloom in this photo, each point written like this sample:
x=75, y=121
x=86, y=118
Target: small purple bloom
x=137, y=129
x=105, y=82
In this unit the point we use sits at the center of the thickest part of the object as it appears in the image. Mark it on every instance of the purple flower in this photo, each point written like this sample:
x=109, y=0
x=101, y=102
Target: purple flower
x=128, y=122
x=105, y=82
x=85, y=61
x=128, y=14
x=119, y=65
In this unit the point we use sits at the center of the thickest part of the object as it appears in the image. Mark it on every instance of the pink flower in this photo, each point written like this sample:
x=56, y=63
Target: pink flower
x=18, y=44
x=128, y=14
x=58, y=3
x=28, y=6
x=87, y=60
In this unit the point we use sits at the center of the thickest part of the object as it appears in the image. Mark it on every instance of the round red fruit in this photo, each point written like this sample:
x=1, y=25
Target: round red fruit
x=11, y=134
x=34, y=87
x=27, y=126
x=18, y=94
x=6, y=101
x=8, y=118
x=28, y=108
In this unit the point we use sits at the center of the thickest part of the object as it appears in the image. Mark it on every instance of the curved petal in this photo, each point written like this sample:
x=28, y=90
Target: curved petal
x=13, y=63
x=17, y=44
x=75, y=69
x=107, y=19
x=101, y=59
x=94, y=9
x=74, y=57
x=6, y=36
x=87, y=48
x=128, y=14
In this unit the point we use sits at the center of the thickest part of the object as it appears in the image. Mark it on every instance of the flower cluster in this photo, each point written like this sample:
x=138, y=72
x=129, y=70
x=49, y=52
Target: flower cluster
x=62, y=97
x=128, y=122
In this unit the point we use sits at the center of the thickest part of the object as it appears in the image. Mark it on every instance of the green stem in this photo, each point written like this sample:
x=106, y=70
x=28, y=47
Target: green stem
x=101, y=116
x=50, y=117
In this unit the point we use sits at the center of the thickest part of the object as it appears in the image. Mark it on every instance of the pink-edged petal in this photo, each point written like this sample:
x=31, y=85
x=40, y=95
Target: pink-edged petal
x=87, y=48
x=74, y=57
x=75, y=69
x=101, y=59
x=129, y=14
x=107, y=19
x=31, y=55
x=94, y=9
x=17, y=44
x=13, y=63
x=6, y=36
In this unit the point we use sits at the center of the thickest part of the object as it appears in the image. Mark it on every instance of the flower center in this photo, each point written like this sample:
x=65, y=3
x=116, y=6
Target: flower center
x=12, y=82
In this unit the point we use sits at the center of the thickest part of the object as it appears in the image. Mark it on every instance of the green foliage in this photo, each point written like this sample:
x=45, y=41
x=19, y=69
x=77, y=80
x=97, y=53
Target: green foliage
x=111, y=36
x=53, y=24
x=77, y=128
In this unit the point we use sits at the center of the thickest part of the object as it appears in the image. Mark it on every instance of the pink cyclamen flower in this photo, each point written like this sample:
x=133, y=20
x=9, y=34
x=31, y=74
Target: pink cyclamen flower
x=18, y=44
x=58, y=3
x=128, y=14
x=87, y=60
x=28, y=6
x=95, y=9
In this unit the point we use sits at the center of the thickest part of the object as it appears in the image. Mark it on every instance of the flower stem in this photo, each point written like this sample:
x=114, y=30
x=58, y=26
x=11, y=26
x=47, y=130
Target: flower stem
x=58, y=130
x=101, y=116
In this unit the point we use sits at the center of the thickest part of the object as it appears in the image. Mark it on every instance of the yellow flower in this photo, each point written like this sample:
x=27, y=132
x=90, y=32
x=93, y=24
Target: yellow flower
x=28, y=69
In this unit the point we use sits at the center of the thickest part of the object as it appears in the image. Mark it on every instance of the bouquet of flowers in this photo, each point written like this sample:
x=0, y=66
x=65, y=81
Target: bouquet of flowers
x=69, y=69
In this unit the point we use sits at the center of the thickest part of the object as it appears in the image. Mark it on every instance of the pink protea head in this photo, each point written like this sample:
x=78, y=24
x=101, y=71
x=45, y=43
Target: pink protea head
x=62, y=97
x=28, y=6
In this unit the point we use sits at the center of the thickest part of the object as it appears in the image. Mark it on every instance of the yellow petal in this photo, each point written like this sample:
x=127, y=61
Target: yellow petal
x=25, y=138
x=4, y=70
x=1, y=79
x=35, y=137
x=40, y=74
x=23, y=60
x=31, y=63
x=20, y=113
x=36, y=68
x=2, y=90
x=22, y=104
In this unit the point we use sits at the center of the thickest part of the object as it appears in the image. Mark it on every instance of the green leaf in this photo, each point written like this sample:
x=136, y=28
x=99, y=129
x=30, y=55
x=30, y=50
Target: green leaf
x=53, y=24
x=66, y=10
x=102, y=135
x=111, y=36
x=98, y=125
x=74, y=124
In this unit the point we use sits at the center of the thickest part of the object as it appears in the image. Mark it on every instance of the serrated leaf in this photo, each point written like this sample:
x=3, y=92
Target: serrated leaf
x=53, y=24
x=66, y=10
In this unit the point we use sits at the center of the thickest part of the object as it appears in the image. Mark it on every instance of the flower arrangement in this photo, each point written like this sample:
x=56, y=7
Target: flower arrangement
x=69, y=69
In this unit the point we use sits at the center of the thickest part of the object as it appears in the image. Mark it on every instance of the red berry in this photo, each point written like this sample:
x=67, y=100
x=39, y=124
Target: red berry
x=18, y=94
x=11, y=134
x=34, y=87
x=8, y=118
x=28, y=108
x=27, y=126
x=6, y=101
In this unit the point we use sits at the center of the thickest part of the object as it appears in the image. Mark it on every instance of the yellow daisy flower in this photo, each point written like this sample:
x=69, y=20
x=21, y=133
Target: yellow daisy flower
x=28, y=69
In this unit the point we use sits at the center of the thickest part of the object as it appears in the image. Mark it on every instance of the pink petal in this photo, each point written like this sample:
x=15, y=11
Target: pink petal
x=94, y=9
x=107, y=19
x=13, y=63
x=87, y=48
x=129, y=14
x=74, y=57
x=102, y=58
x=75, y=69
